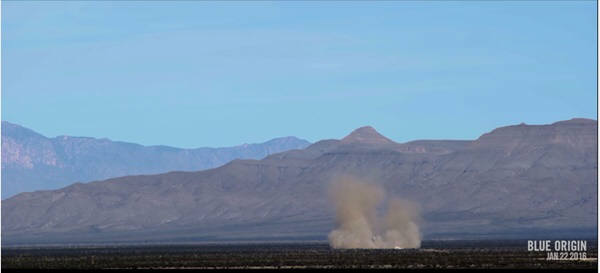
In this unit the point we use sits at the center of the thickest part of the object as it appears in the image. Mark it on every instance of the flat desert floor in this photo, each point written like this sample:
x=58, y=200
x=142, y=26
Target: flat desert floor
x=432, y=254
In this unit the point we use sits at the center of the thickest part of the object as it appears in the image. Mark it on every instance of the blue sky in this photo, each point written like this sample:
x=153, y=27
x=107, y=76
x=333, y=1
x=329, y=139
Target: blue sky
x=192, y=74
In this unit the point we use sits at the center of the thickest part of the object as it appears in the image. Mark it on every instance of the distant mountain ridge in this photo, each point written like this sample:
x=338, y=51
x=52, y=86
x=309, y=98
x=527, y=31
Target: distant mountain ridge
x=518, y=181
x=31, y=161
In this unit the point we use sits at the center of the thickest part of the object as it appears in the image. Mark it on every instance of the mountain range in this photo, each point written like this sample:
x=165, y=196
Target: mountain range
x=519, y=181
x=31, y=161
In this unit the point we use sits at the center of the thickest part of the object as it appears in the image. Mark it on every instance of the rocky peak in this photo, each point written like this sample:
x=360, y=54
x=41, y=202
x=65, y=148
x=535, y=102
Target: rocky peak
x=368, y=135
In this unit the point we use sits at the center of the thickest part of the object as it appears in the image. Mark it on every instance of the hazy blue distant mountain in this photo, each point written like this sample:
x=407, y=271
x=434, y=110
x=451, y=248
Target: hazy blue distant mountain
x=31, y=161
x=535, y=181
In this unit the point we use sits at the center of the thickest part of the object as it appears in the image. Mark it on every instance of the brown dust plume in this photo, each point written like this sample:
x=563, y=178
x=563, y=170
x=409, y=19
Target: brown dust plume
x=359, y=226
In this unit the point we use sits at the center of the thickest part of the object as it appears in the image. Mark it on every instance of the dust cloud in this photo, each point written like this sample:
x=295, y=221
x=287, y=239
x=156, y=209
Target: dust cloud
x=358, y=224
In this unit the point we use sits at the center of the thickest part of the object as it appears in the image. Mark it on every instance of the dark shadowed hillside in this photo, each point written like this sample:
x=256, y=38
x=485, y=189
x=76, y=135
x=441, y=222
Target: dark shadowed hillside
x=32, y=162
x=514, y=181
